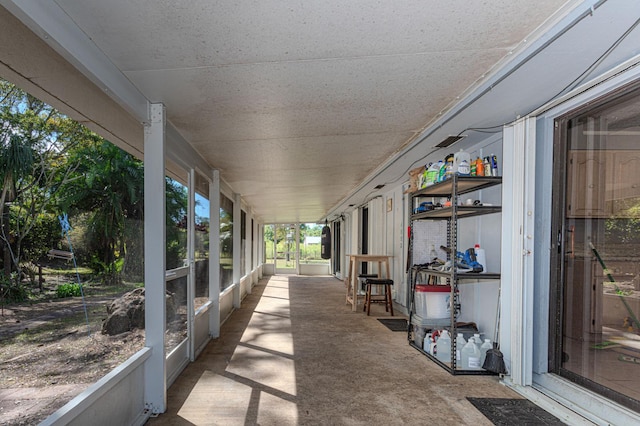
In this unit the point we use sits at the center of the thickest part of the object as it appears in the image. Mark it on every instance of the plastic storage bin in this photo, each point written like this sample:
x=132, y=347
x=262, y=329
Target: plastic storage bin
x=436, y=301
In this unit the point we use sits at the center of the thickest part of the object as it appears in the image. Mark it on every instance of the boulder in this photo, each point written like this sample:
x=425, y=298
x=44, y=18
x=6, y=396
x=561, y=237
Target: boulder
x=127, y=312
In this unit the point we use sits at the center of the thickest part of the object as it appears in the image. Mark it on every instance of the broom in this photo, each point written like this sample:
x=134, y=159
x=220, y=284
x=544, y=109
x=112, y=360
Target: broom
x=494, y=360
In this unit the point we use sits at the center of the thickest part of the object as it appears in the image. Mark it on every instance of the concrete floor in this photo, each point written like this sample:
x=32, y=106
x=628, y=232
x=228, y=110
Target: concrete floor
x=295, y=354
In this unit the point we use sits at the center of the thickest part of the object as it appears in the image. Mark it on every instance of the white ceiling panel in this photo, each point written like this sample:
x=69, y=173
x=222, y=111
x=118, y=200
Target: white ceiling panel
x=296, y=103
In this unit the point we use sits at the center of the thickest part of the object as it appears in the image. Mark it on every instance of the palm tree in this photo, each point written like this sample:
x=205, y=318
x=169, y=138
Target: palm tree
x=110, y=189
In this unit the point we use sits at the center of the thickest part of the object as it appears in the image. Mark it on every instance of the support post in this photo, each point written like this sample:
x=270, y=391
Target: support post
x=237, y=249
x=155, y=386
x=214, y=255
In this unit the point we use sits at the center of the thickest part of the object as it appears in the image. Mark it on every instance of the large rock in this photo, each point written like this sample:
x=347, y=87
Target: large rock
x=127, y=312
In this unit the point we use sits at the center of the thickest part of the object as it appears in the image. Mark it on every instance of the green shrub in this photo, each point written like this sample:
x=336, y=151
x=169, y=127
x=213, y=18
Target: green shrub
x=10, y=292
x=69, y=290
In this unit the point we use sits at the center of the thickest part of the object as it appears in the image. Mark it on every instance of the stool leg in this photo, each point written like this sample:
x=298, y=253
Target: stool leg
x=366, y=297
x=389, y=299
x=369, y=299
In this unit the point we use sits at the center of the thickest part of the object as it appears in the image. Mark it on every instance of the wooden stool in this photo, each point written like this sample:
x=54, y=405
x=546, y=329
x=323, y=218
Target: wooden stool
x=388, y=303
x=362, y=279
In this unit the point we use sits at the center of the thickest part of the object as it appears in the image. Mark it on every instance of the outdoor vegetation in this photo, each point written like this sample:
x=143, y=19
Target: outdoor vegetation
x=284, y=238
x=71, y=238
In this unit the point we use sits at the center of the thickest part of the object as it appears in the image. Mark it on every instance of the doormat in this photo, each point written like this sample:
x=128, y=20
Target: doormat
x=394, y=324
x=506, y=411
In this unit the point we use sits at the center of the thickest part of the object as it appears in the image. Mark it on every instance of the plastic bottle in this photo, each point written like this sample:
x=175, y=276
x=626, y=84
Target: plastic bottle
x=476, y=340
x=460, y=342
x=483, y=350
x=442, y=170
x=461, y=165
x=479, y=167
x=422, y=180
x=449, y=166
x=443, y=347
x=487, y=166
x=429, y=344
x=481, y=257
x=472, y=168
x=432, y=173
x=426, y=342
x=493, y=159
x=470, y=357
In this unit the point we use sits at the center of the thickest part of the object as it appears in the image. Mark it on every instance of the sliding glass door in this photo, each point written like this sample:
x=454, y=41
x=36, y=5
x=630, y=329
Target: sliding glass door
x=597, y=277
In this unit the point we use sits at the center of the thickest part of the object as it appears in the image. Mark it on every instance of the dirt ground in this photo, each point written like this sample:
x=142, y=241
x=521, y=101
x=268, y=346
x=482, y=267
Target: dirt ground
x=48, y=355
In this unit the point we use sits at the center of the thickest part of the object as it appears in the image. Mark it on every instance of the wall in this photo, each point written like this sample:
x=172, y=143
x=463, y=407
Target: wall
x=118, y=396
x=314, y=269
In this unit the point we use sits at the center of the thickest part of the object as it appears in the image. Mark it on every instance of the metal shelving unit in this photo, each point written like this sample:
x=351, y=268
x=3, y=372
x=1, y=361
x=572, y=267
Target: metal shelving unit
x=451, y=188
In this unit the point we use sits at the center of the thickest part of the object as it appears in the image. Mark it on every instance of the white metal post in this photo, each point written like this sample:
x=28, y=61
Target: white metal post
x=155, y=261
x=247, y=251
x=214, y=255
x=297, y=248
x=237, y=249
x=518, y=183
x=191, y=259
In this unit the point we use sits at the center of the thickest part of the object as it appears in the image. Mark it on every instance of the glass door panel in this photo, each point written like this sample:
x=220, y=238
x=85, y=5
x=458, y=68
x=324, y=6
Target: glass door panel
x=177, y=264
x=201, y=241
x=599, y=346
x=286, y=249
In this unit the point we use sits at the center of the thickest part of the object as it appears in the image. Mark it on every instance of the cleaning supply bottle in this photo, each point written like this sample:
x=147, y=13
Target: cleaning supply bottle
x=443, y=347
x=449, y=163
x=483, y=350
x=422, y=180
x=442, y=170
x=487, y=166
x=481, y=257
x=460, y=342
x=493, y=159
x=432, y=173
x=479, y=167
x=461, y=165
x=470, y=358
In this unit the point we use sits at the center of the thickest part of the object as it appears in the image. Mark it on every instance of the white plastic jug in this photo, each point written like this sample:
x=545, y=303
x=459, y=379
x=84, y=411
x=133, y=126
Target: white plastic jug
x=470, y=357
x=443, y=347
x=476, y=340
x=462, y=163
x=481, y=258
x=460, y=342
x=483, y=350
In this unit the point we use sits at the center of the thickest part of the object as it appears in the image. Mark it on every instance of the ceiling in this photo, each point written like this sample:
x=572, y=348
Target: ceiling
x=298, y=104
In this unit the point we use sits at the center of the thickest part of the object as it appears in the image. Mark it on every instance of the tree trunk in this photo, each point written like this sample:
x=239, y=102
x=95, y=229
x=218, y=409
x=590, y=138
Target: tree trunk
x=5, y=246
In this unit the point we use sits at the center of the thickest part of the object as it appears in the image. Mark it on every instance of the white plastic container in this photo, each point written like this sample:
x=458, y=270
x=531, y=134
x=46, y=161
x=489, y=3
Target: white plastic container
x=443, y=347
x=481, y=258
x=476, y=340
x=437, y=301
x=460, y=343
x=470, y=355
x=483, y=350
x=420, y=300
x=462, y=163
